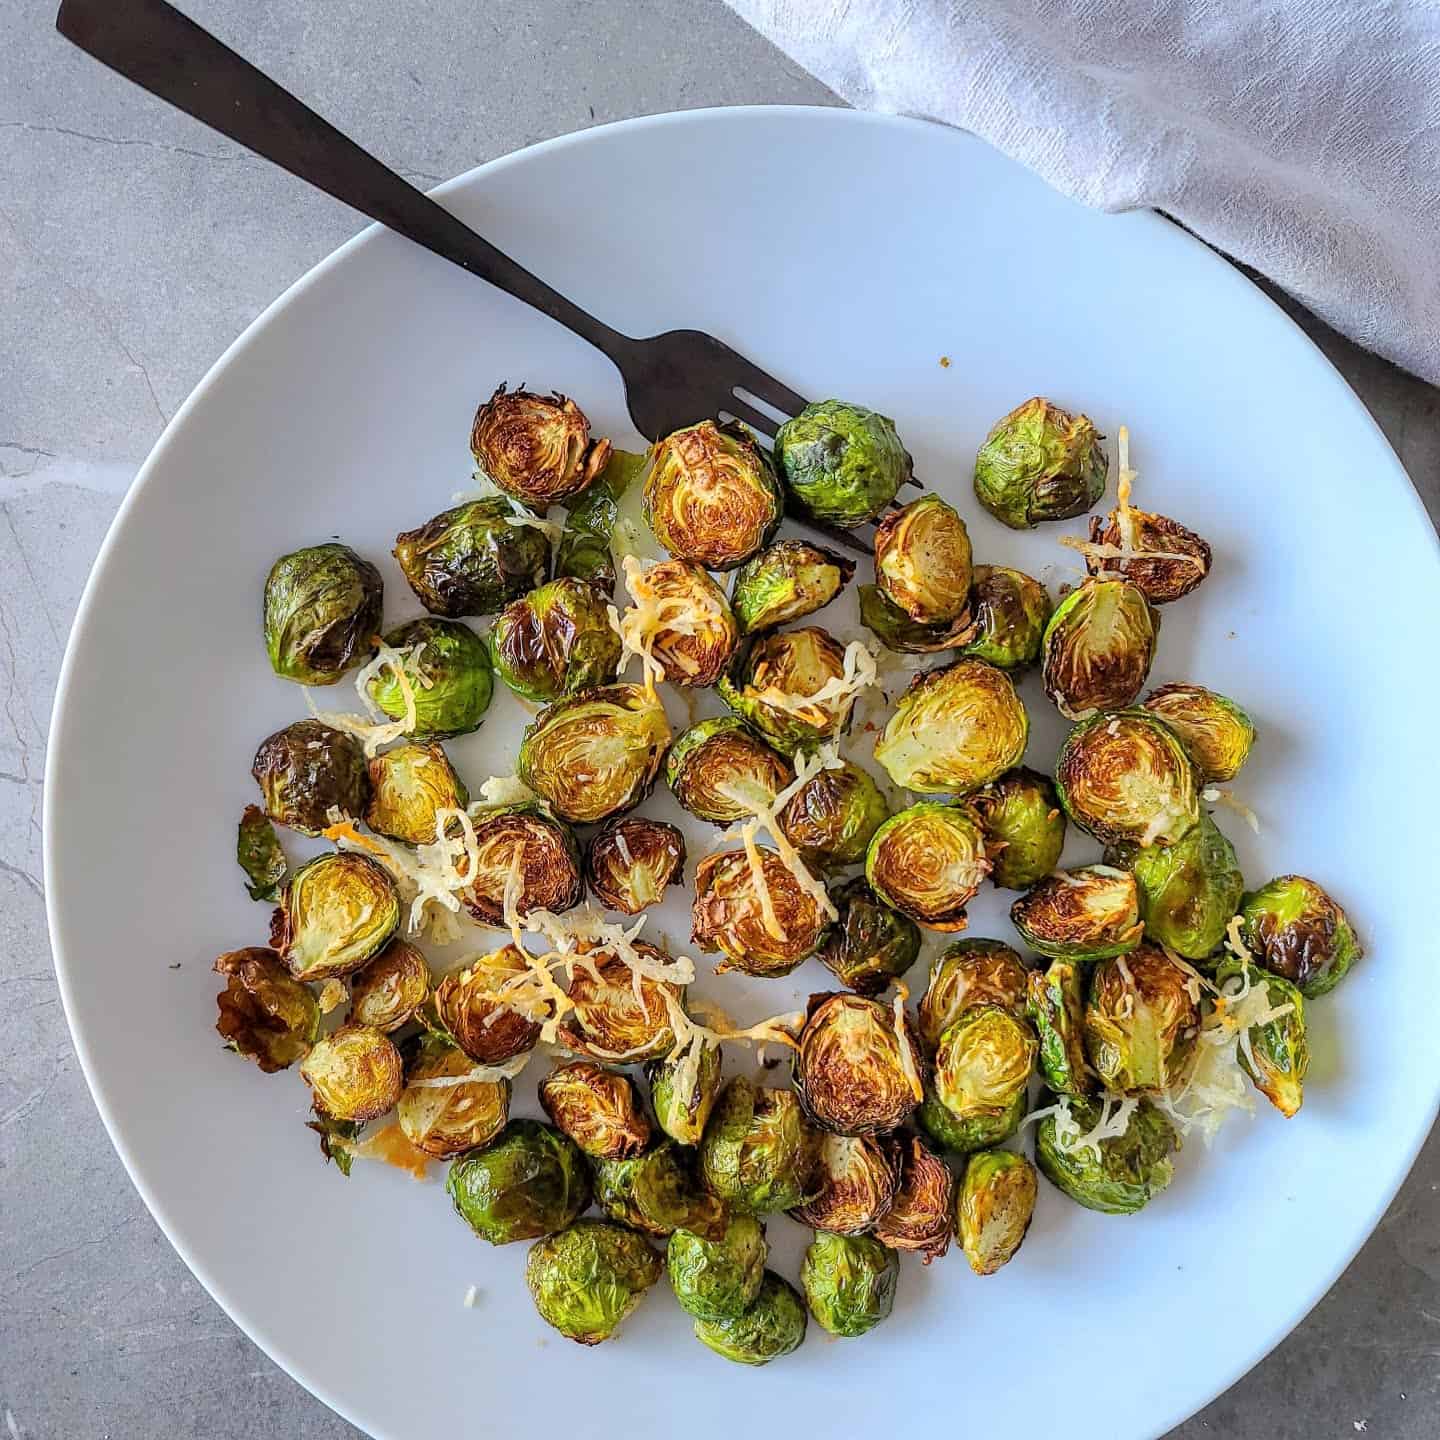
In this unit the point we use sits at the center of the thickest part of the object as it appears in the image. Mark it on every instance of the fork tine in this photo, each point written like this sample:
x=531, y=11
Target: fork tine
x=851, y=541
x=752, y=378
x=755, y=419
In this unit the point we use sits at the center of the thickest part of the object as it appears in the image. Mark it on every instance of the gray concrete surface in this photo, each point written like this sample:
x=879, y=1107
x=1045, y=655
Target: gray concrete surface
x=133, y=247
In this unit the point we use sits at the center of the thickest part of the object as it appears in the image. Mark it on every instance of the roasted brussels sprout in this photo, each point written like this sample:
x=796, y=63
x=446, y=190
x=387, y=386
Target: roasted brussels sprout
x=855, y=1072
x=856, y=1180
x=409, y=784
x=771, y=1326
x=718, y=1279
x=694, y=633
x=756, y=1153
x=721, y=771
x=928, y=862
x=1171, y=561
x=771, y=685
x=844, y=463
x=597, y=1108
x=983, y=1062
x=994, y=1208
x=1040, y=463
x=1140, y=1021
x=923, y=561
x=831, y=818
x=1116, y=1176
x=1098, y=647
x=1215, y=731
x=335, y=913
x=1189, y=890
x=1125, y=777
x=588, y=1278
x=258, y=853
x=1278, y=1053
x=711, y=495
x=897, y=631
x=322, y=606
x=543, y=854
x=870, y=944
x=536, y=448
x=1024, y=827
x=596, y=754
x=1083, y=914
x=530, y=1181
x=969, y=973
x=954, y=730
x=1010, y=611
x=790, y=580
x=921, y=1217
x=443, y=1118
x=584, y=551
x=474, y=559
x=615, y=1017
x=455, y=683
x=1057, y=1011
x=555, y=641
x=976, y=1132
x=307, y=770
x=684, y=1093
x=493, y=1009
x=265, y=1014
x=1295, y=930
x=354, y=1073
x=729, y=914
x=659, y=1192
x=387, y=991
x=630, y=861
x=849, y=1282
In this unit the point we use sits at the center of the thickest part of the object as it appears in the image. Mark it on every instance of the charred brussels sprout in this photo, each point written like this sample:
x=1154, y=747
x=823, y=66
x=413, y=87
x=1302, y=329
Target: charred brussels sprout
x=258, y=853
x=923, y=561
x=443, y=1118
x=454, y=679
x=1278, y=1054
x=771, y=1326
x=597, y=1108
x=631, y=861
x=307, y=770
x=587, y=1279
x=928, y=862
x=548, y=865
x=1171, y=561
x=856, y=1072
x=596, y=754
x=409, y=785
x=387, y=991
x=729, y=914
x=583, y=552
x=1057, y=1011
x=355, y=1073
x=610, y=1021
x=1084, y=914
x=683, y=1092
x=694, y=632
x=830, y=820
x=322, y=607
x=555, y=641
x=1040, y=463
x=1140, y=1021
x=1295, y=930
x=954, y=730
x=970, y=973
x=711, y=496
x=490, y=1010
x=871, y=944
x=994, y=1208
x=719, y=1278
x=790, y=580
x=658, y=1192
x=721, y=771
x=772, y=684
x=897, y=631
x=1215, y=731
x=1024, y=827
x=856, y=1178
x=849, y=1282
x=1010, y=611
x=530, y=1181
x=756, y=1153
x=1189, y=890
x=983, y=1062
x=474, y=559
x=335, y=913
x=844, y=463
x=265, y=1014
x=921, y=1216
x=1118, y=1175
x=978, y=1131
x=1098, y=647
x=536, y=448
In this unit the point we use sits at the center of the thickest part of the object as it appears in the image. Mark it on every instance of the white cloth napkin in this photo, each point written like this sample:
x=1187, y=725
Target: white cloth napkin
x=1301, y=137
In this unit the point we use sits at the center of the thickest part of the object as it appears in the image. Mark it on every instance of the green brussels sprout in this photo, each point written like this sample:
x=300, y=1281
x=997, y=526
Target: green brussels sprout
x=772, y=1326
x=921, y=1217
x=1141, y=1020
x=596, y=754
x=1024, y=827
x=445, y=1119
x=548, y=867
x=954, y=730
x=683, y=1091
x=976, y=1132
x=842, y=462
x=630, y=861
x=1084, y=914
x=307, y=770
x=719, y=1278
x=583, y=552
x=928, y=862
x=1118, y=1175
x=387, y=991
x=1215, y=731
x=473, y=559
x=984, y=1060
x=923, y=561
x=265, y=1014
x=1098, y=647
x=598, y=1109
x=530, y=1181
x=1010, y=612
x=682, y=619
x=455, y=682
x=588, y=1278
x=870, y=944
x=335, y=913
x=1057, y=1011
x=756, y=1152
x=659, y=1192
x=555, y=641
x=1040, y=463
x=258, y=853
x=354, y=1073
x=489, y=1010
x=771, y=683
x=897, y=631
x=856, y=1178
x=729, y=915
x=994, y=1208
x=1295, y=930
x=1278, y=1054
x=787, y=582
x=1157, y=554
x=711, y=495
x=831, y=818
x=970, y=973
x=721, y=771
x=849, y=1282
x=1189, y=890
x=536, y=448
x=856, y=1071
x=322, y=607
x=409, y=785
x=613, y=1015
x=1124, y=777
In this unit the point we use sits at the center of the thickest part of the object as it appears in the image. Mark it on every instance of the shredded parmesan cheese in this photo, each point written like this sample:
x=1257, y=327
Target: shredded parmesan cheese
x=374, y=732
x=908, y=1063
x=1070, y=1139
x=834, y=699
x=1215, y=794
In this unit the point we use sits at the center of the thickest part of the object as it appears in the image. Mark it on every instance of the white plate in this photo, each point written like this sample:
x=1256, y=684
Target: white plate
x=847, y=253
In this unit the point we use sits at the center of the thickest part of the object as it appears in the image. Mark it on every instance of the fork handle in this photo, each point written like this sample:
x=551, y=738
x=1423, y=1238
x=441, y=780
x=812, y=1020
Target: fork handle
x=168, y=54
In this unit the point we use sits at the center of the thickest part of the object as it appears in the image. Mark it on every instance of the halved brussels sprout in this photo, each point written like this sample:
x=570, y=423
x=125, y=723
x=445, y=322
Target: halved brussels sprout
x=1277, y=1056
x=897, y=631
x=719, y=1278
x=1057, y=1011
x=258, y=853
x=322, y=607
x=921, y=1217
x=530, y=1181
x=923, y=560
x=970, y=973
x=711, y=495
x=473, y=559
x=387, y=991
x=856, y=1179
x=1295, y=930
x=696, y=633
x=1173, y=562
x=454, y=680
x=1125, y=777
x=849, y=1282
x=555, y=641
x=354, y=1073
x=1084, y=914
x=844, y=463
x=541, y=853
x=928, y=862
x=1215, y=731
x=976, y=1132
x=1141, y=1020
x=1010, y=611
x=1024, y=827
x=1116, y=1176
x=614, y=1017
x=771, y=1326
x=756, y=1153
x=598, y=1109
x=596, y=754
x=659, y=1192
x=871, y=944
x=630, y=861
x=954, y=730
x=684, y=1095
x=443, y=1118
x=536, y=448
x=1040, y=463
x=587, y=1279
x=1189, y=890
x=855, y=1073
x=307, y=770
x=771, y=683
x=493, y=1009
x=729, y=913
x=335, y=913
x=409, y=783
x=994, y=1208
x=1098, y=647
x=583, y=551
x=721, y=771
x=790, y=580
x=831, y=818
x=983, y=1062
x=266, y=1014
